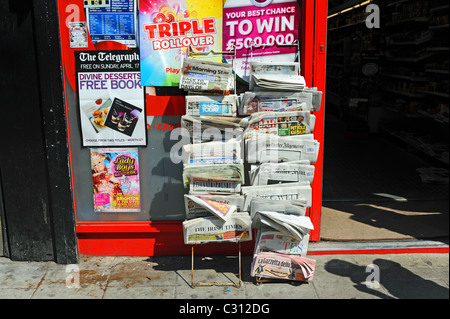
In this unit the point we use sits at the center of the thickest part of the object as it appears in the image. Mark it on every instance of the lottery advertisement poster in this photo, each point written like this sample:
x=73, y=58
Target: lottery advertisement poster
x=167, y=28
x=261, y=31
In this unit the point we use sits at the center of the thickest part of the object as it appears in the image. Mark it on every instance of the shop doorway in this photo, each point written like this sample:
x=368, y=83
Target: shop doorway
x=386, y=124
x=373, y=191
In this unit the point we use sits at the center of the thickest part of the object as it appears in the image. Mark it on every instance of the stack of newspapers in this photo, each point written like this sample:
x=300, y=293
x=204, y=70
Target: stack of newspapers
x=280, y=151
x=281, y=76
x=213, y=161
x=249, y=163
x=281, y=241
x=278, y=86
x=280, y=123
x=213, y=128
x=278, y=201
x=210, y=86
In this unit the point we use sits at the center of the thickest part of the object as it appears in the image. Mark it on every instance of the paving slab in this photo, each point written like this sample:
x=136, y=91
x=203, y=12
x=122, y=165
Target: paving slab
x=140, y=292
x=374, y=276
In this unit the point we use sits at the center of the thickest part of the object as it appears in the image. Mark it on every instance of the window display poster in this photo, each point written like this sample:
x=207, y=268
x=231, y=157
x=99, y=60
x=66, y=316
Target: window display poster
x=167, y=28
x=115, y=180
x=261, y=31
x=78, y=35
x=111, y=98
x=112, y=20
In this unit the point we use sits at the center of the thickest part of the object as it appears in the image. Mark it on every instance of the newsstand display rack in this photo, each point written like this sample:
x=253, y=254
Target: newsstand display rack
x=232, y=53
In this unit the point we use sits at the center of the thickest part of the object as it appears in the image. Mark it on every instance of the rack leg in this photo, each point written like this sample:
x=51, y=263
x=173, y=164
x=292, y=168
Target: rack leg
x=240, y=264
x=215, y=283
x=192, y=268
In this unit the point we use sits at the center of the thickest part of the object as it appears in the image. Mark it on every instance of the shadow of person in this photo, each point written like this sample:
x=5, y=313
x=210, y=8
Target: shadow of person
x=399, y=282
x=404, y=284
x=357, y=275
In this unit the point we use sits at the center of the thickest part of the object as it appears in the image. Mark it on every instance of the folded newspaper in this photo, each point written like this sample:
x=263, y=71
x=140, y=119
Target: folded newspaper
x=213, y=153
x=214, y=230
x=202, y=185
x=295, y=226
x=213, y=128
x=221, y=210
x=213, y=179
x=316, y=98
x=288, y=191
x=281, y=266
x=272, y=68
x=200, y=75
x=216, y=105
x=251, y=102
x=291, y=123
x=195, y=209
x=309, y=99
x=264, y=148
x=278, y=242
x=287, y=172
x=278, y=82
x=290, y=207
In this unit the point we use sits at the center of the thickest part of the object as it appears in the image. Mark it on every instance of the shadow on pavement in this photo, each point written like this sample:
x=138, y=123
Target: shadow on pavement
x=399, y=282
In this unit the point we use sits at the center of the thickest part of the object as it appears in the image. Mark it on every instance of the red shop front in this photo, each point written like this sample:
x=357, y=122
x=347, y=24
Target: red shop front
x=156, y=229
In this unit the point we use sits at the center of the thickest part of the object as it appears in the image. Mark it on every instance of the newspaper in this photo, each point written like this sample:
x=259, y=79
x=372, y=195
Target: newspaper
x=220, y=105
x=213, y=153
x=213, y=128
x=291, y=123
x=195, y=210
x=199, y=75
x=214, y=230
x=309, y=99
x=278, y=242
x=289, y=191
x=281, y=266
x=213, y=179
x=295, y=226
x=291, y=207
x=265, y=148
x=287, y=172
x=219, y=171
x=252, y=102
x=221, y=210
x=202, y=185
x=273, y=68
x=316, y=98
x=278, y=82
x=288, y=68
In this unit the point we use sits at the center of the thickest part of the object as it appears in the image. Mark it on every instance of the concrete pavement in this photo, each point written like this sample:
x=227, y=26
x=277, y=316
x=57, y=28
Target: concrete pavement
x=395, y=276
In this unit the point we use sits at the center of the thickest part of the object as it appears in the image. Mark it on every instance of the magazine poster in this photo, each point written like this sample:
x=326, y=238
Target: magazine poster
x=113, y=20
x=115, y=180
x=167, y=28
x=261, y=31
x=111, y=98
